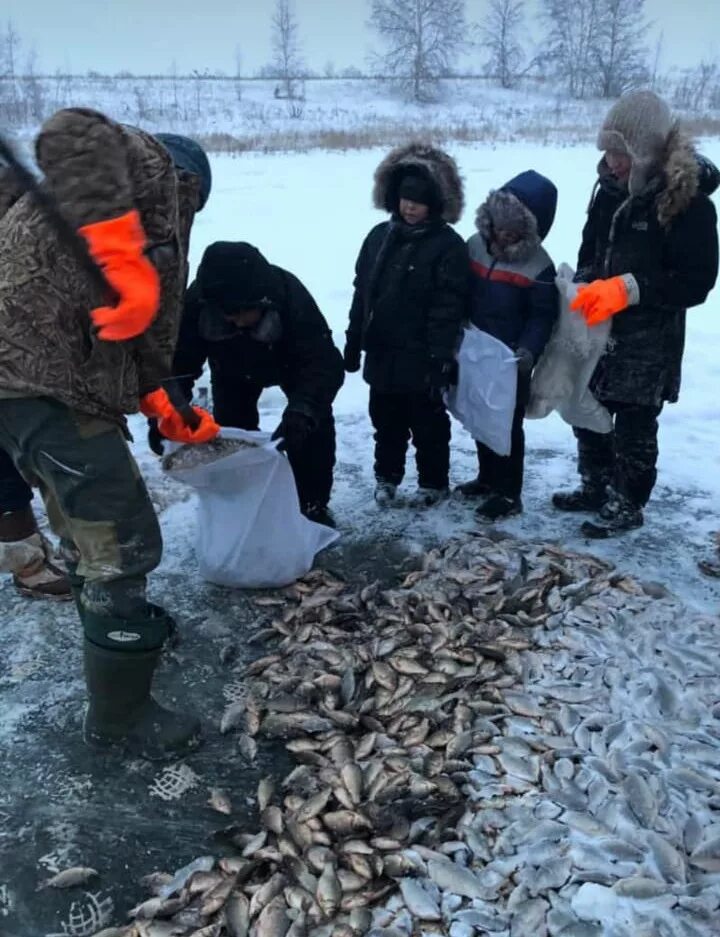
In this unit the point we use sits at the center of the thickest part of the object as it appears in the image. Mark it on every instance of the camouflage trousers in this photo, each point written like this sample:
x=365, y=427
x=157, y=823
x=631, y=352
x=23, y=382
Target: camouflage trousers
x=625, y=458
x=96, y=499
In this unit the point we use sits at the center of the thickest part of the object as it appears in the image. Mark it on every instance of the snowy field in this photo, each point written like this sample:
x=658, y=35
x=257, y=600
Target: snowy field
x=334, y=114
x=310, y=213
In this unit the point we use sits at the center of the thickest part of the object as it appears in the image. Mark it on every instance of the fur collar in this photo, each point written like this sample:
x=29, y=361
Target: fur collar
x=681, y=172
x=436, y=165
x=674, y=182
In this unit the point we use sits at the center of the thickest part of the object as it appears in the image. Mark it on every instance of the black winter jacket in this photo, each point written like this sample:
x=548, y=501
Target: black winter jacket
x=411, y=291
x=666, y=237
x=303, y=359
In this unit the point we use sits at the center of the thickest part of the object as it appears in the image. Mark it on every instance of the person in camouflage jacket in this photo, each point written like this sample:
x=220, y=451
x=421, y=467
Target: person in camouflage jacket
x=74, y=360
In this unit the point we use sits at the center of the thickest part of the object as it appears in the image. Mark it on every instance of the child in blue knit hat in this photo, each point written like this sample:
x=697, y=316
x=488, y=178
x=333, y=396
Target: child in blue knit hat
x=514, y=299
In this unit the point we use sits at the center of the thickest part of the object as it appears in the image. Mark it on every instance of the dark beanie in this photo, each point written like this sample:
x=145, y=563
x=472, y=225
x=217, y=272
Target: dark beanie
x=187, y=154
x=235, y=275
x=417, y=188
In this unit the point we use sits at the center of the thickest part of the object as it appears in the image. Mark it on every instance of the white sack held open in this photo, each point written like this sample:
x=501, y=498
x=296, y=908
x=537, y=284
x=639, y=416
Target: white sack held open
x=484, y=398
x=560, y=380
x=251, y=533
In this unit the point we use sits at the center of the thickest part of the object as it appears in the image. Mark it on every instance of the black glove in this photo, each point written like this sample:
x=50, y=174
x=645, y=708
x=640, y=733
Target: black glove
x=441, y=375
x=351, y=357
x=294, y=430
x=155, y=438
x=525, y=360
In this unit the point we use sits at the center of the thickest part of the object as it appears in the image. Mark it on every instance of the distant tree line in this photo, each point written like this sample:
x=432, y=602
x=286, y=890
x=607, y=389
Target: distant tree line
x=583, y=48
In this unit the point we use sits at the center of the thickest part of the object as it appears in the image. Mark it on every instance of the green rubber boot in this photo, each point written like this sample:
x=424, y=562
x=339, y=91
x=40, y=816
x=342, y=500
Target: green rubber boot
x=121, y=711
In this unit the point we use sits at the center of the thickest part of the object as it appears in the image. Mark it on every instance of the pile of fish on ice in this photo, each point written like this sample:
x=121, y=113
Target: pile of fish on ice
x=517, y=741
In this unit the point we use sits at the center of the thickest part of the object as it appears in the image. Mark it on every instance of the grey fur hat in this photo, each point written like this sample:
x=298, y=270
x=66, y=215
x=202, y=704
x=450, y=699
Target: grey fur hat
x=502, y=210
x=428, y=162
x=638, y=124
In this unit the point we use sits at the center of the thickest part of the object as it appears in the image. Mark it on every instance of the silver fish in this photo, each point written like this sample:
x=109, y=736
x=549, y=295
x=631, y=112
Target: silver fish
x=69, y=878
x=273, y=920
x=266, y=892
x=668, y=860
x=329, y=891
x=707, y=854
x=237, y=915
x=220, y=801
x=418, y=901
x=640, y=799
x=640, y=887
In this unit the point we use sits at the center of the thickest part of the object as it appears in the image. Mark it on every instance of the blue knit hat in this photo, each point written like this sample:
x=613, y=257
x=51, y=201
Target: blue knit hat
x=187, y=154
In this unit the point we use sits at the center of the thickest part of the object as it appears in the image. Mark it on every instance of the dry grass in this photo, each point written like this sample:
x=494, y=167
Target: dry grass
x=702, y=126
x=388, y=134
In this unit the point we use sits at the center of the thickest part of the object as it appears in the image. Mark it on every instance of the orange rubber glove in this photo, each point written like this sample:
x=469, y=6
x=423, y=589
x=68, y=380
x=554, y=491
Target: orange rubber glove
x=602, y=299
x=117, y=246
x=171, y=425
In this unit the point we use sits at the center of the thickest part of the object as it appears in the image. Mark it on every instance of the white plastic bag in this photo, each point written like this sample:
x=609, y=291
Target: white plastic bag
x=251, y=533
x=484, y=398
x=561, y=378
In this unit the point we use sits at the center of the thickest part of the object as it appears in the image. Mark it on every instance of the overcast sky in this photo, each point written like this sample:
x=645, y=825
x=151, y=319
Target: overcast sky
x=148, y=35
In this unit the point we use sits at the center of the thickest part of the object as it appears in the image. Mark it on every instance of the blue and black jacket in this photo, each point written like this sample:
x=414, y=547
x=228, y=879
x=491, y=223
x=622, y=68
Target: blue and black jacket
x=513, y=294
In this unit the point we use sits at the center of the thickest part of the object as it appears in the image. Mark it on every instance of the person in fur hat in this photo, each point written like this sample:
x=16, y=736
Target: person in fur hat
x=649, y=252
x=514, y=299
x=411, y=288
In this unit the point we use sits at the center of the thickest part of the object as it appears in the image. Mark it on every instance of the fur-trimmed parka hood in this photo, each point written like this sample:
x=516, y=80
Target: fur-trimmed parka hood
x=681, y=174
x=430, y=163
x=526, y=205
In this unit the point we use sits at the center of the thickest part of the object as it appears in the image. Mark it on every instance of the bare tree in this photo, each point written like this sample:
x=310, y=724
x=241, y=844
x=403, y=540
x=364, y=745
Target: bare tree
x=572, y=26
x=657, y=58
x=422, y=38
x=10, y=49
x=10, y=102
x=286, y=46
x=237, y=84
x=597, y=46
x=619, y=48
x=500, y=37
x=175, y=89
x=34, y=91
x=697, y=87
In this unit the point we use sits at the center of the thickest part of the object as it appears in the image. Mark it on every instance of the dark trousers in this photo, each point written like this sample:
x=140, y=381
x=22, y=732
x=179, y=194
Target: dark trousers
x=504, y=474
x=95, y=497
x=625, y=458
x=399, y=417
x=312, y=464
x=15, y=493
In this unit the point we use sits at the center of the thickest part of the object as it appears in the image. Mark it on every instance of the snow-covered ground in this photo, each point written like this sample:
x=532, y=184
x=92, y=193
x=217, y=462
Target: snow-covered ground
x=337, y=114
x=60, y=805
x=309, y=213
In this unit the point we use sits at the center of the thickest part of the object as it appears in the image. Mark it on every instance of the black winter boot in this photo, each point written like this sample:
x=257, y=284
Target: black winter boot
x=473, y=489
x=616, y=516
x=319, y=514
x=121, y=710
x=426, y=497
x=498, y=506
x=583, y=499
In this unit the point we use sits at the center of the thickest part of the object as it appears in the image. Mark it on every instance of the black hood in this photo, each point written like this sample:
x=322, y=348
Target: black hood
x=708, y=174
x=233, y=276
